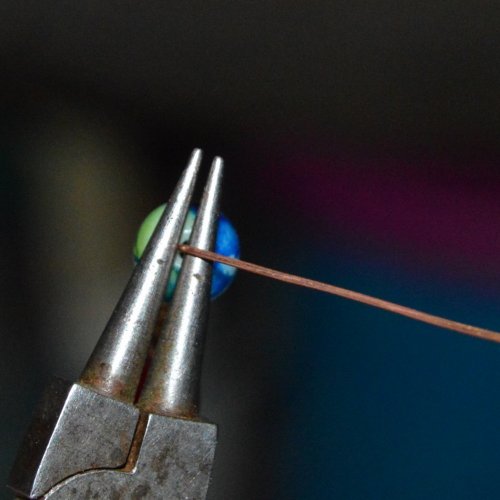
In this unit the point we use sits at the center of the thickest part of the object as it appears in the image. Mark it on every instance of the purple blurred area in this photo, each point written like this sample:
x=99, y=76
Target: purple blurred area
x=361, y=142
x=444, y=211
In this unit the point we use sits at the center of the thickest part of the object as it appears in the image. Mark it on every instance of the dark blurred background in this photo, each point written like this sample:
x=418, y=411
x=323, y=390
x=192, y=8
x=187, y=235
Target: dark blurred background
x=362, y=146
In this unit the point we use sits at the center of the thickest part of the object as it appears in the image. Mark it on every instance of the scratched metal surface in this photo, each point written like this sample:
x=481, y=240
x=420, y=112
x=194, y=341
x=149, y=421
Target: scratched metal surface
x=175, y=462
x=74, y=429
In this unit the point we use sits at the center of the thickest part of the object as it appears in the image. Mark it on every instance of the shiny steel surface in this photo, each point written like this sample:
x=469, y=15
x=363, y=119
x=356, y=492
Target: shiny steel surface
x=89, y=440
x=116, y=364
x=74, y=429
x=174, y=463
x=172, y=386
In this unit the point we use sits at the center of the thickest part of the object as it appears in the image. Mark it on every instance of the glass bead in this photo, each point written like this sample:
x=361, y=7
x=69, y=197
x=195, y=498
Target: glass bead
x=227, y=243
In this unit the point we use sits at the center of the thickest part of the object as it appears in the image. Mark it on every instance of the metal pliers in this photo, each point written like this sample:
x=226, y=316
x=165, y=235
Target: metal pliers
x=129, y=428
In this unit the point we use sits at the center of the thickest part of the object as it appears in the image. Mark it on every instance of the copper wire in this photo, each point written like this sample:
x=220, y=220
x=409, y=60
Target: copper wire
x=431, y=319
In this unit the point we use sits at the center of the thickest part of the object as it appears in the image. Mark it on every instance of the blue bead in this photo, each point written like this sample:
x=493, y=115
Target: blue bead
x=226, y=243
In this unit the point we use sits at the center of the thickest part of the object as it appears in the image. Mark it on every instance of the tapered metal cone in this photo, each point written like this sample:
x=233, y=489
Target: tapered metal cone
x=115, y=366
x=172, y=386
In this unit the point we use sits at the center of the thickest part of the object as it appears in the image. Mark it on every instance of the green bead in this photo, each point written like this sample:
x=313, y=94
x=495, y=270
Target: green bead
x=227, y=243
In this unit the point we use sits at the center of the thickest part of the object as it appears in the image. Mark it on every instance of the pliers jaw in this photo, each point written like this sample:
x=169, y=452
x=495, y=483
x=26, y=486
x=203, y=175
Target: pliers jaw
x=74, y=429
x=100, y=438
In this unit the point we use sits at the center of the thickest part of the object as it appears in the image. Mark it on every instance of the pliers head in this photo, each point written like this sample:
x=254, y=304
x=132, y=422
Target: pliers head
x=129, y=427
